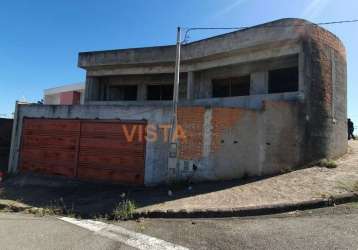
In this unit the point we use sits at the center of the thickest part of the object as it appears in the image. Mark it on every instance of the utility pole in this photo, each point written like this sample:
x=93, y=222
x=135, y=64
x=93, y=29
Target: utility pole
x=172, y=159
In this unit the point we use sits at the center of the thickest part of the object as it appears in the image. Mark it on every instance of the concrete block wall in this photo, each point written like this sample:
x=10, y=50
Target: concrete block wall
x=222, y=142
x=227, y=143
x=325, y=78
x=156, y=151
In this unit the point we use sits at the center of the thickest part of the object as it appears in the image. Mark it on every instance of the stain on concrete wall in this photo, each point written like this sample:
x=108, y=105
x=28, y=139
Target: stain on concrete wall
x=282, y=136
x=235, y=138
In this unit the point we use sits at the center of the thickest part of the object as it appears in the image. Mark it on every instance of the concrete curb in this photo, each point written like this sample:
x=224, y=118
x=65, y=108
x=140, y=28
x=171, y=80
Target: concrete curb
x=250, y=211
x=13, y=206
x=221, y=213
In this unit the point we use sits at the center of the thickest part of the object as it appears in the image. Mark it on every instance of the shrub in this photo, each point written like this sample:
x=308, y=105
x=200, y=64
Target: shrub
x=124, y=210
x=327, y=163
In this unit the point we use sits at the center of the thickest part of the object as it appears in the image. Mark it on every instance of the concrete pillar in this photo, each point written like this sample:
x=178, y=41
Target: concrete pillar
x=102, y=92
x=91, y=89
x=88, y=89
x=301, y=72
x=259, y=83
x=190, y=86
x=15, y=141
x=142, y=92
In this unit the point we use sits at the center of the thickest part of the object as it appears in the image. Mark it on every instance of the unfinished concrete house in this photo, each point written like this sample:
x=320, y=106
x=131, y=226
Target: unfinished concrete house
x=253, y=102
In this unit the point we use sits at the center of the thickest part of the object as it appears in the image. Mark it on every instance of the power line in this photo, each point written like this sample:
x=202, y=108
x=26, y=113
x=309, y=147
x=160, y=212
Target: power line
x=189, y=29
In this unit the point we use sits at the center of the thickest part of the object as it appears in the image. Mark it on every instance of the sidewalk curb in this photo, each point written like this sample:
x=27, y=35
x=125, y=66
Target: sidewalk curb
x=250, y=211
x=13, y=206
x=222, y=213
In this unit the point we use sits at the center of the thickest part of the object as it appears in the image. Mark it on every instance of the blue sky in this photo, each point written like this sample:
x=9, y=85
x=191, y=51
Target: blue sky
x=40, y=40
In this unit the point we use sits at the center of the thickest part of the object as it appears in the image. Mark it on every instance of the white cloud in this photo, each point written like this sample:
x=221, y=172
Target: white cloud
x=314, y=9
x=227, y=9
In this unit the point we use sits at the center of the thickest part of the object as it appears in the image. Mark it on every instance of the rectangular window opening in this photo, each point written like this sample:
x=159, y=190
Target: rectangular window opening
x=229, y=87
x=283, y=80
x=159, y=92
x=123, y=93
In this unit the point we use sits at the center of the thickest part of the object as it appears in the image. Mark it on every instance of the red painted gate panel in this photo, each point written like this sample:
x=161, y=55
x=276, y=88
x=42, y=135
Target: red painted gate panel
x=50, y=146
x=108, y=152
x=93, y=150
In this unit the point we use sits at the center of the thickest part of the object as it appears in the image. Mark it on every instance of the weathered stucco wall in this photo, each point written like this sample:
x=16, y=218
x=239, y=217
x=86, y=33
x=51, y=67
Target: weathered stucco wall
x=222, y=45
x=228, y=143
x=223, y=143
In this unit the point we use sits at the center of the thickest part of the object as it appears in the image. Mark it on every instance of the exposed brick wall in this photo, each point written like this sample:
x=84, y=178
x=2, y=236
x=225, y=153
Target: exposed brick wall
x=191, y=119
x=309, y=132
x=324, y=37
x=222, y=120
x=324, y=44
x=320, y=48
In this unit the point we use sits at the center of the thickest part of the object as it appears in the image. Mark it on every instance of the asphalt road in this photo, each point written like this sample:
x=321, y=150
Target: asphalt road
x=18, y=231
x=329, y=228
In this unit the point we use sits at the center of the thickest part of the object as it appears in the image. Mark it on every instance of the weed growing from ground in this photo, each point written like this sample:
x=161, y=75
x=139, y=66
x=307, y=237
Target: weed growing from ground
x=124, y=210
x=327, y=163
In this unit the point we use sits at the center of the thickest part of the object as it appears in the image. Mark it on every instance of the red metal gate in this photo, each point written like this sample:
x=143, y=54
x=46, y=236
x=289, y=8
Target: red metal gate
x=92, y=150
x=108, y=152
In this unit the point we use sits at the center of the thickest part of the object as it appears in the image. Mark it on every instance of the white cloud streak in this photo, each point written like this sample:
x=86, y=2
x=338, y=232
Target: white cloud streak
x=314, y=9
x=227, y=9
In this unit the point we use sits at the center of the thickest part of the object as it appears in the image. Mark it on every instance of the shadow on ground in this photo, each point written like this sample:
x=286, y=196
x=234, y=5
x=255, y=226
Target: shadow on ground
x=90, y=200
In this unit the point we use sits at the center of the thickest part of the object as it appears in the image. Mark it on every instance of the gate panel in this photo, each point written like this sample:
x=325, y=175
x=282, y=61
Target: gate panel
x=112, y=151
x=92, y=150
x=50, y=146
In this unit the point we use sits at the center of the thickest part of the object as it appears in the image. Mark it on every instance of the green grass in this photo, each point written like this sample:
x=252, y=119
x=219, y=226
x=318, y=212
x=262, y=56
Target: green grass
x=349, y=186
x=355, y=187
x=124, y=210
x=353, y=204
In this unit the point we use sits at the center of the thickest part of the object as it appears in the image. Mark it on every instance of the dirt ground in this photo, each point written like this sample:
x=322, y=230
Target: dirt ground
x=93, y=199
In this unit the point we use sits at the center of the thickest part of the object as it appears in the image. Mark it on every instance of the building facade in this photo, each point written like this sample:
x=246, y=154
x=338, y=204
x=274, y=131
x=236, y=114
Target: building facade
x=70, y=94
x=253, y=102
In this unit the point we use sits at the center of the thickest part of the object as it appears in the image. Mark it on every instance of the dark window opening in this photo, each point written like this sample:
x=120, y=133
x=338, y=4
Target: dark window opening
x=235, y=86
x=283, y=80
x=160, y=92
x=123, y=93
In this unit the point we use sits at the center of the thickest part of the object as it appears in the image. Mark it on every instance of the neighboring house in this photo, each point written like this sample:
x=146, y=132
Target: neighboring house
x=253, y=102
x=65, y=95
